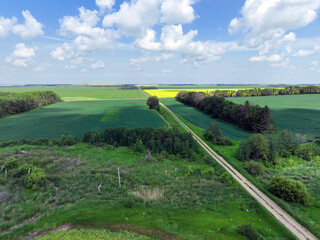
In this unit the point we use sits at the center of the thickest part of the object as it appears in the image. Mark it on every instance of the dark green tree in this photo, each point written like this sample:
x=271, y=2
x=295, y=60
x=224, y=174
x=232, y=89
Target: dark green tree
x=153, y=102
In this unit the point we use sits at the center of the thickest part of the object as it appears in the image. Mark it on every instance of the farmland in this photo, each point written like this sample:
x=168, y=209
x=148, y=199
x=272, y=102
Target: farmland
x=77, y=93
x=203, y=120
x=172, y=93
x=299, y=113
x=76, y=118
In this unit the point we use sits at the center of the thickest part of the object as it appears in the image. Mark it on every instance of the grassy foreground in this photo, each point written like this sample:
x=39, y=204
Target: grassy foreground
x=161, y=198
x=92, y=234
x=76, y=118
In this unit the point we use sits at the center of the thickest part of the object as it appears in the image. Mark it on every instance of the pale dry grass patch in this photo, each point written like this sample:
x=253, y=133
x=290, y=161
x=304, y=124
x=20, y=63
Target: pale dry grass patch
x=148, y=194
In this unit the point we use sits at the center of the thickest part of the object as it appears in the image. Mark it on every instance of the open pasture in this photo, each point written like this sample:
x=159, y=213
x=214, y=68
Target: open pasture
x=299, y=113
x=76, y=118
x=76, y=93
x=203, y=120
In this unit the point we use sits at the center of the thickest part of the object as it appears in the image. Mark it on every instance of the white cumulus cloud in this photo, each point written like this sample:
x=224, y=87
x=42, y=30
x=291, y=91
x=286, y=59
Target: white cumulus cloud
x=31, y=28
x=22, y=55
x=97, y=65
x=87, y=36
x=265, y=24
x=6, y=25
x=105, y=4
x=134, y=18
x=177, y=11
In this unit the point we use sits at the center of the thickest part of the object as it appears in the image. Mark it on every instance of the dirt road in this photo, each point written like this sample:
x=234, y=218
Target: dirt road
x=283, y=217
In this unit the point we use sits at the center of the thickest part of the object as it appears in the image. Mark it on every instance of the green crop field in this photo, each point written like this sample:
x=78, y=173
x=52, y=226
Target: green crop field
x=203, y=120
x=75, y=118
x=299, y=113
x=75, y=93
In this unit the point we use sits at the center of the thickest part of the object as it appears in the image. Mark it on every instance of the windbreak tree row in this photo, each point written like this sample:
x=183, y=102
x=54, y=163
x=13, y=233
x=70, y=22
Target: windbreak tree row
x=265, y=92
x=14, y=103
x=156, y=140
x=249, y=117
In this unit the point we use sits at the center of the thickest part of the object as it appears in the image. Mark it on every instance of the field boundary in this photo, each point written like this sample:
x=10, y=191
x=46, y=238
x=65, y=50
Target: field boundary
x=282, y=216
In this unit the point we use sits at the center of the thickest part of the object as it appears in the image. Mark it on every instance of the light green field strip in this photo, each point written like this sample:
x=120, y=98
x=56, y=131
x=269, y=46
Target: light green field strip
x=83, y=93
x=79, y=99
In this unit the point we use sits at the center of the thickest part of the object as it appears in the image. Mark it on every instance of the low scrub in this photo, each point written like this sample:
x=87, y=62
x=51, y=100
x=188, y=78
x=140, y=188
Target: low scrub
x=289, y=190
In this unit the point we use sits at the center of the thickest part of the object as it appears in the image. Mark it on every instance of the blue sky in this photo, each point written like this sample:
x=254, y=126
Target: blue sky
x=159, y=41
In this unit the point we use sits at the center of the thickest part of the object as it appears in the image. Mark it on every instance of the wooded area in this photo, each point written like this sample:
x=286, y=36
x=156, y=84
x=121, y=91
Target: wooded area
x=14, y=103
x=253, y=92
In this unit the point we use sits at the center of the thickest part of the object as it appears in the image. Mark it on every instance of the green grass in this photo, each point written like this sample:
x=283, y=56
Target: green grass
x=92, y=234
x=82, y=93
x=203, y=120
x=76, y=118
x=299, y=113
x=190, y=207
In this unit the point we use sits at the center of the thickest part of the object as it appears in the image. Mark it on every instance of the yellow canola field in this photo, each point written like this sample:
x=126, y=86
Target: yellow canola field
x=171, y=93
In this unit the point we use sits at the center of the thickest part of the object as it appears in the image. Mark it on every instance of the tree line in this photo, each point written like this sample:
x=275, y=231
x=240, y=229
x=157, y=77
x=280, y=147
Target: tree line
x=14, y=103
x=171, y=141
x=249, y=117
x=265, y=92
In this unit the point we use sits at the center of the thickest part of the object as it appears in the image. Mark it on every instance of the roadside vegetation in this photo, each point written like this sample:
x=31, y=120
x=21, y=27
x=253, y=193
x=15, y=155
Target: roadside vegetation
x=291, y=181
x=14, y=103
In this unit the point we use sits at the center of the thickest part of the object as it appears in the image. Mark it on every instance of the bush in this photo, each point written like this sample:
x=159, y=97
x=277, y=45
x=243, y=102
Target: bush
x=226, y=178
x=36, y=179
x=138, y=147
x=207, y=160
x=10, y=164
x=214, y=135
x=254, y=168
x=244, y=151
x=289, y=190
x=248, y=232
x=259, y=147
x=24, y=169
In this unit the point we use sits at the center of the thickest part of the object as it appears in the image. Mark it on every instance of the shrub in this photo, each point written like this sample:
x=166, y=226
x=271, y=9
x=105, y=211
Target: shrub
x=24, y=169
x=248, y=232
x=254, y=168
x=244, y=151
x=10, y=164
x=36, y=179
x=226, y=178
x=215, y=136
x=138, y=147
x=207, y=160
x=289, y=190
x=259, y=147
